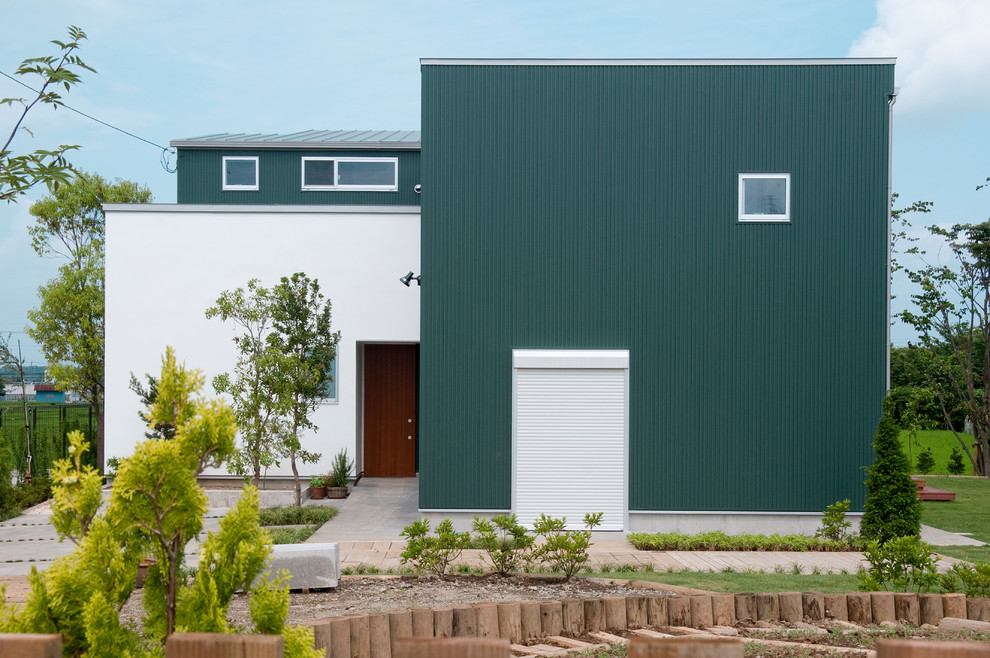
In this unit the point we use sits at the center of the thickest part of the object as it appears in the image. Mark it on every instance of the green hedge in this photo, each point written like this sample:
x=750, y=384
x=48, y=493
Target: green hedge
x=719, y=541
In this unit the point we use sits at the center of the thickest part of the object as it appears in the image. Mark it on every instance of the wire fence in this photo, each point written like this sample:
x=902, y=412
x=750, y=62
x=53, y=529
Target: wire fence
x=49, y=424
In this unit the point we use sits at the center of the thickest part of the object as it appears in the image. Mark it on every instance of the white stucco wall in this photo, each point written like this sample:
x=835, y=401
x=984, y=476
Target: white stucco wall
x=165, y=264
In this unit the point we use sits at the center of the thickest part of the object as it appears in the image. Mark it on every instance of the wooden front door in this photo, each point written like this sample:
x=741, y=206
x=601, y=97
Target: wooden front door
x=390, y=381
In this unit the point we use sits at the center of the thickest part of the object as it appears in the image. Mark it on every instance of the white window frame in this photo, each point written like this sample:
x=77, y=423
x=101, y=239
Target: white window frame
x=348, y=188
x=223, y=166
x=760, y=217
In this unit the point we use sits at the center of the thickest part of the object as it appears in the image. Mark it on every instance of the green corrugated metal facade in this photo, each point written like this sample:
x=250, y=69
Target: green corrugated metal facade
x=200, y=178
x=594, y=207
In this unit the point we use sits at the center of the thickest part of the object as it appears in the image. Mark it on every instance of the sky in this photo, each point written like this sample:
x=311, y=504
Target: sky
x=176, y=69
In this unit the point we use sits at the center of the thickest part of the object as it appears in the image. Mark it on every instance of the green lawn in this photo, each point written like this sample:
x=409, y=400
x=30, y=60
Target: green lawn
x=737, y=581
x=968, y=513
x=941, y=442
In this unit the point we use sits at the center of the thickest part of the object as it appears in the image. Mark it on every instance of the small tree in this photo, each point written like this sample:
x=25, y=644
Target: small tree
x=259, y=386
x=155, y=508
x=19, y=173
x=892, y=508
x=926, y=461
x=301, y=331
x=956, y=465
x=69, y=323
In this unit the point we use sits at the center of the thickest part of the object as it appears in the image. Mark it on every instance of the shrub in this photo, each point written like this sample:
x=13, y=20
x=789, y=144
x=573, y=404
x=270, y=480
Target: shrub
x=562, y=550
x=834, y=524
x=975, y=578
x=926, y=461
x=892, y=507
x=899, y=564
x=308, y=515
x=956, y=465
x=340, y=472
x=433, y=554
x=504, y=541
x=718, y=540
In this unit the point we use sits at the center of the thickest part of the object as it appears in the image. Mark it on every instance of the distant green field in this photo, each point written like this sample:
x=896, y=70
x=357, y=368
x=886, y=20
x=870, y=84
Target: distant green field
x=969, y=513
x=941, y=442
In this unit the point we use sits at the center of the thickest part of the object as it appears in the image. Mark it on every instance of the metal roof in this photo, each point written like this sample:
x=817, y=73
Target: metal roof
x=320, y=139
x=826, y=61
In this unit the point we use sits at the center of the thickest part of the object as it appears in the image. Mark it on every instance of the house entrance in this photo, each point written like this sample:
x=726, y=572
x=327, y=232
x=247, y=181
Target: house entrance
x=391, y=373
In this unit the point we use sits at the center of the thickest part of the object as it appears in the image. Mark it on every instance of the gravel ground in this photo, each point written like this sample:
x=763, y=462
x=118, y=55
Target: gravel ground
x=379, y=593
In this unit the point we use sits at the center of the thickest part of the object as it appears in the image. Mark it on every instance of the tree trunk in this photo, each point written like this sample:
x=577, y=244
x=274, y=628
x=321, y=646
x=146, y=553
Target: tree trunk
x=295, y=477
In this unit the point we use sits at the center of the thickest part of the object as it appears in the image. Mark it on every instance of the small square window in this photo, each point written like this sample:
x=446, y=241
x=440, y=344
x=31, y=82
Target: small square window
x=319, y=173
x=240, y=173
x=764, y=197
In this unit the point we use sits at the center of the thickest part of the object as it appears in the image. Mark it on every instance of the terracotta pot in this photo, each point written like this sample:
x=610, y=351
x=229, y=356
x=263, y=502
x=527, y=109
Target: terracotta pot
x=337, y=492
x=142, y=572
x=317, y=493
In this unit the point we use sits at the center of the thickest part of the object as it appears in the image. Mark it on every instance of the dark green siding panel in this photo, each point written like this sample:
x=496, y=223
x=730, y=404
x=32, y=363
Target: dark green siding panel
x=595, y=207
x=200, y=178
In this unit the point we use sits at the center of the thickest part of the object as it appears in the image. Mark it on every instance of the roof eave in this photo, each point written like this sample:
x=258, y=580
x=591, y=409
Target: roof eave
x=299, y=146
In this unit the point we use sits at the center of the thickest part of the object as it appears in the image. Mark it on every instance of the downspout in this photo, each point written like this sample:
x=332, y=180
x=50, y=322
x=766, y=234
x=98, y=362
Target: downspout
x=891, y=99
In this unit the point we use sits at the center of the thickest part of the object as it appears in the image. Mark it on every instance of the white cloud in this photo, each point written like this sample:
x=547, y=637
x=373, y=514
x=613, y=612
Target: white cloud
x=942, y=50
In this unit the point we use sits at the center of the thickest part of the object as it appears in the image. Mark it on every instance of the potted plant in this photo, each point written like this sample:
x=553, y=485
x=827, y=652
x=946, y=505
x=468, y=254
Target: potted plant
x=317, y=488
x=340, y=475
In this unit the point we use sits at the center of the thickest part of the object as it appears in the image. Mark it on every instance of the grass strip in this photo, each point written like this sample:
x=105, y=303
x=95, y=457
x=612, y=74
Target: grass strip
x=290, y=515
x=292, y=535
x=741, y=581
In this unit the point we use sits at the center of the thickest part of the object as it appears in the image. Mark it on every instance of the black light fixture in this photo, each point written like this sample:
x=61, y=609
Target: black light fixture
x=409, y=277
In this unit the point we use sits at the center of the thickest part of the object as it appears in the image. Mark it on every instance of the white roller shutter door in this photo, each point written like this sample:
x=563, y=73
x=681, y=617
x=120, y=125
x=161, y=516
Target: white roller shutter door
x=570, y=428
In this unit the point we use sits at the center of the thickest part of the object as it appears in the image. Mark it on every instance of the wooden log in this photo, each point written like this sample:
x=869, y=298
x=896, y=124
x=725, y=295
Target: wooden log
x=399, y=625
x=978, y=609
x=701, y=611
x=958, y=624
x=615, y=613
x=684, y=647
x=835, y=607
x=636, y=615
x=594, y=615
x=461, y=647
x=360, y=636
x=551, y=617
x=465, y=621
x=379, y=636
x=813, y=605
x=340, y=638
x=930, y=649
x=954, y=605
x=906, y=608
x=883, y=606
x=746, y=607
x=930, y=607
x=510, y=622
x=422, y=622
x=679, y=611
x=573, y=611
x=39, y=645
x=443, y=622
x=184, y=645
x=860, y=608
x=656, y=611
x=321, y=632
x=724, y=609
x=791, y=608
x=529, y=619
x=487, y=620
x=767, y=606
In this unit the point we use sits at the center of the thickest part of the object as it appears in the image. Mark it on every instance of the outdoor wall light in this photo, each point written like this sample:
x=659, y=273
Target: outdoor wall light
x=409, y=277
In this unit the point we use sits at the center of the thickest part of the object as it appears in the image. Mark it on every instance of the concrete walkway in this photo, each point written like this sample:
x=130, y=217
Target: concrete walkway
x=370, y=520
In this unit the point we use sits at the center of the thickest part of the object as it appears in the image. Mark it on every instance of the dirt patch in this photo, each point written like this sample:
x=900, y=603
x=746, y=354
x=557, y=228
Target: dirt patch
x=357, y=594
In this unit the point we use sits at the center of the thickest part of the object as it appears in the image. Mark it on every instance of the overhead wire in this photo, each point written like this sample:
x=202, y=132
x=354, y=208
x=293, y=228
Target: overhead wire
x=167, y=151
